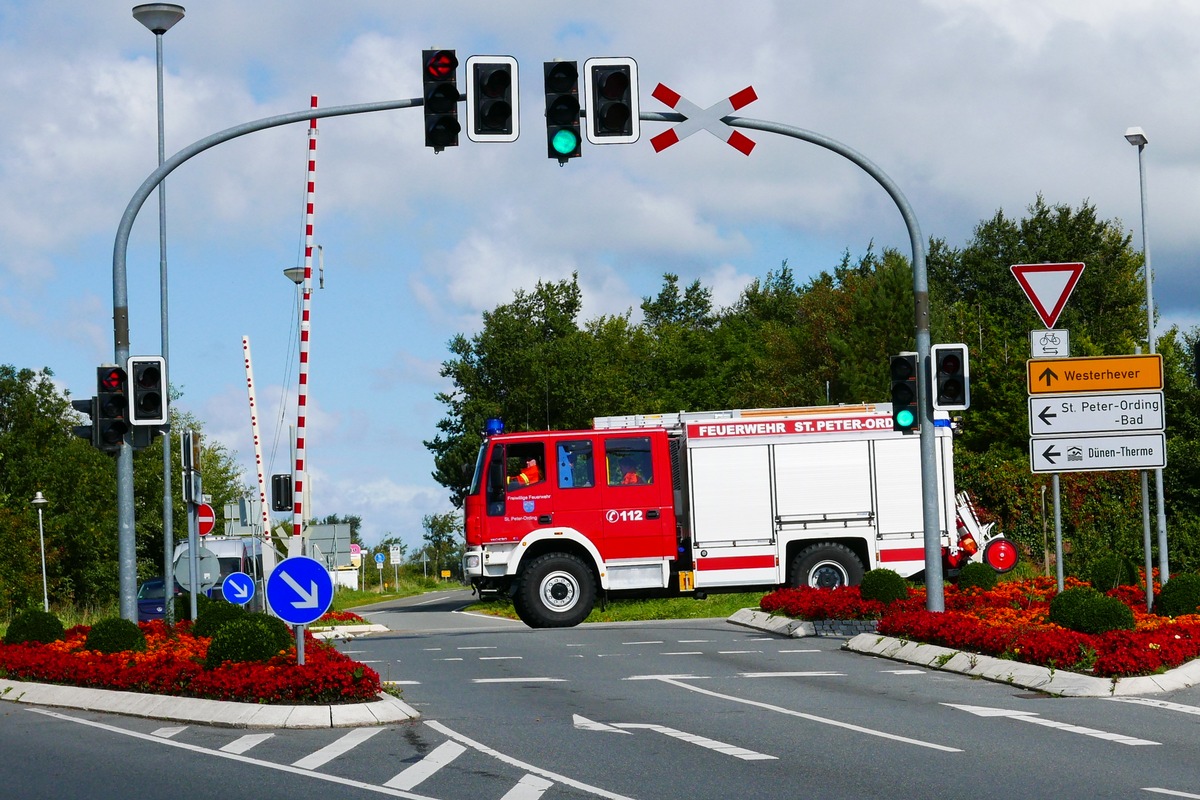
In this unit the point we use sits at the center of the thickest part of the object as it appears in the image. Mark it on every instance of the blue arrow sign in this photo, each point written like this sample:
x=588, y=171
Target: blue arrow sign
x=379, y=558
x=238, y=588
x=299, y=590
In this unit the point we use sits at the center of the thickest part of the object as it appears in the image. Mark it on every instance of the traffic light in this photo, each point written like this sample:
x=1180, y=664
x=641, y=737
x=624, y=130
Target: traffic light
x=951, y=386
x=112, y=404
x=562, y=110
x=281, y=492
x=90, y=409
x=492, y=109
x=906, y=415
x=612, y=93
x=149, y=402
x=440, y=82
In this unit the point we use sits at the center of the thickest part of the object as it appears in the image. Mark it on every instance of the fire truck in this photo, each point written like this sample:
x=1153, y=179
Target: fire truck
x=708, y=501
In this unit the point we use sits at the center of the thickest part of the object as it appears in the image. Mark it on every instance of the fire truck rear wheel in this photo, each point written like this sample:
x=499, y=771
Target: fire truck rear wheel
x=826, y=566
x=556, y=590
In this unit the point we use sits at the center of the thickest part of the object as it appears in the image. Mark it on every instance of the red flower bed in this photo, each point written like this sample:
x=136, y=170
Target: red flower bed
x=173, y=664
x=1011, y=621
x=334, y=617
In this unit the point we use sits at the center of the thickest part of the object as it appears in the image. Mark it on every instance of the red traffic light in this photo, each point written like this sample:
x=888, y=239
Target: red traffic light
x=441, y=65
x=113, y=379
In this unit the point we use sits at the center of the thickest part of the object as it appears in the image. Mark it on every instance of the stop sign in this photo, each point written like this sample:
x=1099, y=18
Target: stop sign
x=206, y=518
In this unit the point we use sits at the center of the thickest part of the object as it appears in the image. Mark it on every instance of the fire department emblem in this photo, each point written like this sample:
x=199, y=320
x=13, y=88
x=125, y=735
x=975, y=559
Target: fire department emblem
x=527, y=506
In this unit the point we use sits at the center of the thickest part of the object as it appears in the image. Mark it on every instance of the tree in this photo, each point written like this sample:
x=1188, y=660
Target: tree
x=443, y=542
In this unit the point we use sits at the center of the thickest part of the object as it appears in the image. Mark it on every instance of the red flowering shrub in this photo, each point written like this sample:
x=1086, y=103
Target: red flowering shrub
x=1011, y=621
x=172, y=664
x=332, y=617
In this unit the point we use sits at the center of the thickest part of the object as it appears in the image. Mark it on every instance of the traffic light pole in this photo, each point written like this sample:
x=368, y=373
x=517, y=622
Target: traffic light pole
x=934, y=597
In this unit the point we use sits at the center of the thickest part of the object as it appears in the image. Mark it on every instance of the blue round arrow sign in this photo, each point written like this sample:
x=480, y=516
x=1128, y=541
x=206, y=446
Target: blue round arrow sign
x=238, y=588
x=299, y=590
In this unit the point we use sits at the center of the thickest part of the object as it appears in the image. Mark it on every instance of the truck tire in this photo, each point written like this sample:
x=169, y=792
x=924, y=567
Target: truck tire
x=556, y=590
x=826, y=566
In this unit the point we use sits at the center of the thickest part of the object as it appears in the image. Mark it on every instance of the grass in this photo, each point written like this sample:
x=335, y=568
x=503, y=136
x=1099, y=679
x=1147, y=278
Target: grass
x=646, y=608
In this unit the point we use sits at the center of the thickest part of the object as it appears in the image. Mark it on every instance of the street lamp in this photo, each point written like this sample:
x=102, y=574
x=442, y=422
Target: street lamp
x=40, y=501
x=160, y=18
x=1137, y=137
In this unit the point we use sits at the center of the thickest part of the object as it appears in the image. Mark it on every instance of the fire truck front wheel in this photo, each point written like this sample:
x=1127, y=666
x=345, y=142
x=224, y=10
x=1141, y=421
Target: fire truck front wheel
x=826, y=566
x=556, y=590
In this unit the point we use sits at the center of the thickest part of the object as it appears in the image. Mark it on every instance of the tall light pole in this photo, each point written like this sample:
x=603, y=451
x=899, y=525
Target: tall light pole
x=1137, y=138
x=159, y=18
x=39, y=501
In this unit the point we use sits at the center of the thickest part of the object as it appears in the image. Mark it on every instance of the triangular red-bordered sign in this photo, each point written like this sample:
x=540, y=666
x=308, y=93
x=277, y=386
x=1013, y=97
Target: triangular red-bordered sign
x=1048, y=286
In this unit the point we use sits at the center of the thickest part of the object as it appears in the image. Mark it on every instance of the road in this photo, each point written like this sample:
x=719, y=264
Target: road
x=688, y=709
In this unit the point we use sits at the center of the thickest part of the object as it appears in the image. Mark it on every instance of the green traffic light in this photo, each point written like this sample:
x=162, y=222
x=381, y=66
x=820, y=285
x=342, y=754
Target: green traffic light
x=905, y=418
x=564, y=142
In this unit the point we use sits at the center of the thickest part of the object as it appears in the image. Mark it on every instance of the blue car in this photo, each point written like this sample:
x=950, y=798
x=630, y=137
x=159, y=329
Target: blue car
x=150, y=600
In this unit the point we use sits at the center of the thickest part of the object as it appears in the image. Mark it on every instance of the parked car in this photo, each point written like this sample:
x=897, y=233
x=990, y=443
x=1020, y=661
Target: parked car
x=150, y=599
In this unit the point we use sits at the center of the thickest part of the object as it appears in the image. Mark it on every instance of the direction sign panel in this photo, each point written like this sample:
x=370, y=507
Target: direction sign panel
x=299, y=590
x=1094, y=374
x=1067, y=414
x=238, y=588
x=1087, y=453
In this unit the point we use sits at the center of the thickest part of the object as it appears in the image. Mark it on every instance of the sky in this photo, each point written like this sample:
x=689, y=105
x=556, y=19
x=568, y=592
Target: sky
x=969, y=106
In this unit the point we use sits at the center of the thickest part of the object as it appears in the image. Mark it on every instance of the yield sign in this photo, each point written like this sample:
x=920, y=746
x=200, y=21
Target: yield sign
x=1048, y=286
x=708, y=119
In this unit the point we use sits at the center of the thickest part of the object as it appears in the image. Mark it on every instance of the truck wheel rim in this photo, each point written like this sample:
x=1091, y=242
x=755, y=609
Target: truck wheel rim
x=560, y=591
x=828, y=575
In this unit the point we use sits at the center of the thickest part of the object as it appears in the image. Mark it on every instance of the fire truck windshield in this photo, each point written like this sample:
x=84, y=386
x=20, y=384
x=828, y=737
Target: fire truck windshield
x=477, y=478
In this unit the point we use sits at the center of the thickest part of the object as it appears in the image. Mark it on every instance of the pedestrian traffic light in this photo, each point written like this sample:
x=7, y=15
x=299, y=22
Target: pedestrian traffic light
x=440, y=82
x=905, y=412
x=950, y=386
x=562, y=110
x=492, y=108
x=148, y=405
x=112, y=404
x=611, y=85
x=89, y=408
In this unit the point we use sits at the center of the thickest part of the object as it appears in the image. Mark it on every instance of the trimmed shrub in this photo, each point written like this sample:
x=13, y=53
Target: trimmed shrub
x=979, y=575
x=253, y=637
x=214, y=614
x=115, y=635
x=1086, y=610
x=34, y=625
x=1180, y=595
x=884, y=585
x=1111, y=571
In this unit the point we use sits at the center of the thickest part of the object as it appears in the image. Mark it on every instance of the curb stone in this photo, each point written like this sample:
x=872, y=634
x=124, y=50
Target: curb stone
x=1014, y=673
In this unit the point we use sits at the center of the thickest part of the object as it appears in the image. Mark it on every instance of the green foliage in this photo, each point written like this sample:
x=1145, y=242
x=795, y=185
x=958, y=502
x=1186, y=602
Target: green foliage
x=1180, y=595
x=1084, y=609
x=252, y=637
x=977, y=575
x=213, y=615
x=34, y=625
x=884, y=585
x=1111, y=571
x=115, y=635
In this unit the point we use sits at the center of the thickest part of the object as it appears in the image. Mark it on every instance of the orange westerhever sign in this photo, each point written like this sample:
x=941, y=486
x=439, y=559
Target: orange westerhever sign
x=1094, y=374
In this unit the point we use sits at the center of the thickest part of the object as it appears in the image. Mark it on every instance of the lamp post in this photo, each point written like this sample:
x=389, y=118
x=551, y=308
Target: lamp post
x=39, y=501
x=1137, y=137
x=159, y=18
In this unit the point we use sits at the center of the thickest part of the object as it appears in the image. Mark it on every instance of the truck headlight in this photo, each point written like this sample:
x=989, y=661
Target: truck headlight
x=471, y=562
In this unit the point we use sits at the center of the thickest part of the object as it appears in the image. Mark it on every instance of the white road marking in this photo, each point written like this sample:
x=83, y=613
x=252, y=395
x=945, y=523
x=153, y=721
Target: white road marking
x=903, y=671
x=401, y=683
x=244, y=743
x=478, y=647
x=336, y=748
x=791, y=674
x=440, y=728
x=320, y=776
x=427, y=602
x=811, y=717
x=1171, y=792
x=1031, y=716
x=800, y=651
x=683, y=653
x=585, y=724
x=1163, y=704
x=501, y=658
x=434, y=760
x=652, y=641
x=702, y=741
x=519, y=680
x=167, y=733
x=530, y=787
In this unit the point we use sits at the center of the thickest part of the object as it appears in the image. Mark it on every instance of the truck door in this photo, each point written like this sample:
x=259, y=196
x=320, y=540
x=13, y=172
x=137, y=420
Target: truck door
x=638, y=521
x=517, y=491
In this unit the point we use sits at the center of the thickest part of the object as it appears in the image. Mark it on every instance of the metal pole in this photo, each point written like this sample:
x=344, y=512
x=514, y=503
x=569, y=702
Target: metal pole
x=1058, y=543
x=42, y=542
x=1146, y=541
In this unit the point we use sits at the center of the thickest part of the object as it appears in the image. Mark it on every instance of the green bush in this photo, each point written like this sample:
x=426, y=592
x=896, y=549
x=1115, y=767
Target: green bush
x=978, y=575
x=884, y=585
x=214, y=614
x=1180, y=595
x=253, y=637
x=34, y=625
x=1084, y=609
x=115, y=635
x=1111, y=571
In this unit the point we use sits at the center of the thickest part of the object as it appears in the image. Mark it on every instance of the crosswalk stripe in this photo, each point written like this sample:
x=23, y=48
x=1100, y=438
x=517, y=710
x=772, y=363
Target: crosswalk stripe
x=437, y=758
x=167, y=733
x=334, y=749
x=530, y=787
x=244, y=743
